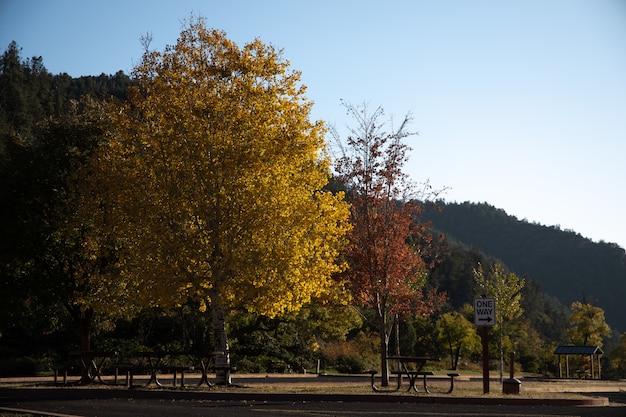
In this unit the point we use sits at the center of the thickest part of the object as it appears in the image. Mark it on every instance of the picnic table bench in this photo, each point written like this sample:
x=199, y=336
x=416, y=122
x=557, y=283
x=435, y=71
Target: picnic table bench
x=62, y=370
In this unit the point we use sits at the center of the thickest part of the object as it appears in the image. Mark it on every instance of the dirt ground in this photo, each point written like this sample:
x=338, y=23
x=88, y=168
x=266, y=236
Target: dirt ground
x=304, y=395
x=294, y=383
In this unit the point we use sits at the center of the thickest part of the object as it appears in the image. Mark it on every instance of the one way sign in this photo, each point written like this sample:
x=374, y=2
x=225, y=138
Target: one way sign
x=484, y=311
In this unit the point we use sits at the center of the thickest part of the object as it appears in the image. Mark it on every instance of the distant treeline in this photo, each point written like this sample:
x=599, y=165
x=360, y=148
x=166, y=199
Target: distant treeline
x=29, y=93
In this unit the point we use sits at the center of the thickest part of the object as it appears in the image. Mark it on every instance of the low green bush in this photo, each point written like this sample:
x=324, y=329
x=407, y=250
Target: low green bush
x=10, y=367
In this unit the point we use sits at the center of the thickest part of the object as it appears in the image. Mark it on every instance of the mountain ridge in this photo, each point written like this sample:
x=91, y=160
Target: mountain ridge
x=568, y=266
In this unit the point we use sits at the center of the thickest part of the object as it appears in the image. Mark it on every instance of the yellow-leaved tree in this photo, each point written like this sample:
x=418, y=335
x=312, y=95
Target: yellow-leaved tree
x=221, y=173
x=588, y=327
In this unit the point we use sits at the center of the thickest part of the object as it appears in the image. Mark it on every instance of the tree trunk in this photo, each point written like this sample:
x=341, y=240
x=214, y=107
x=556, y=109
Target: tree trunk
x=85, y=334
x=220, y=338
x=397, y=327
x=457, y=354
x=84, y=322
x=384, y=349
x=501, y=354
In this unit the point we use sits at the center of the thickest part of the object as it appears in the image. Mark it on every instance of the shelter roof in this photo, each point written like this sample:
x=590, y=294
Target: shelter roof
x=578, y=350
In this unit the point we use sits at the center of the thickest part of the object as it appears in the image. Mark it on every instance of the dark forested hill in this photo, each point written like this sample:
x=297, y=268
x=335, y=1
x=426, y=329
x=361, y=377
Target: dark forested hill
x=567, y=265
x=29, y=93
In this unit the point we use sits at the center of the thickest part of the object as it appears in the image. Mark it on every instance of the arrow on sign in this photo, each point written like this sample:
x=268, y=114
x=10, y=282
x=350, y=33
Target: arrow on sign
x=487, y=319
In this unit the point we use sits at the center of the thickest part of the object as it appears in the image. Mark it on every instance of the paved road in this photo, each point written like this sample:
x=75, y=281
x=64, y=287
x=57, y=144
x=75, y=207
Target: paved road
x=150, y=408
x=114, y=404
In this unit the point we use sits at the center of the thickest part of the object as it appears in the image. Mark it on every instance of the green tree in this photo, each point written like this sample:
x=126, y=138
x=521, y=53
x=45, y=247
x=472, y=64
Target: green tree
x=290, y=340
x=386, y=273
x=506, y=289
x=459, y=335
x=587, y=325
x=25, y=88
x=47, y=133
x=221, y=175
x=529, y=347
x=51, y=264
x=88, y=249
x=618, y=357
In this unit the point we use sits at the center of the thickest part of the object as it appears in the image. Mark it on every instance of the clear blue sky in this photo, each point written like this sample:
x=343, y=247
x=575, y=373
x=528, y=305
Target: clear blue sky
x=521, y=104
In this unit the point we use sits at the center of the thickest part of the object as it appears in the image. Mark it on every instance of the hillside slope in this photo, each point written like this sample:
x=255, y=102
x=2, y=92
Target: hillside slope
x=568, y=266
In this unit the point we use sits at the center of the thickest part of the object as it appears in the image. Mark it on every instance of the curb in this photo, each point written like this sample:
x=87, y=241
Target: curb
x=31, y=394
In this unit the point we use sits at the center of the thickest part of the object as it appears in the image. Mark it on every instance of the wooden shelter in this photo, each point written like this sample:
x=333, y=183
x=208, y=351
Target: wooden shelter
x=594, y=353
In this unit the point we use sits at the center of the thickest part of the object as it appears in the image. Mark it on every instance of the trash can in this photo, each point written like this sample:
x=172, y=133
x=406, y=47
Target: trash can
x=511, y=386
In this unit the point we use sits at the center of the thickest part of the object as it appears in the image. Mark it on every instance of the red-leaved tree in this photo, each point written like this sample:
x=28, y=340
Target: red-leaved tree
x=387, y=246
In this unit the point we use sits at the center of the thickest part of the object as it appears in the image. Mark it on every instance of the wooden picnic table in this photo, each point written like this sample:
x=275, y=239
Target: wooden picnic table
x=155, y=364
x=91, y=364
x=412, y=366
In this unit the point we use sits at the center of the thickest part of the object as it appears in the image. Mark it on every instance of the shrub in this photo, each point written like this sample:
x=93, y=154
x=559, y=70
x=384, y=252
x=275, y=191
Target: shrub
x=350, y=364
x=18, y=367
x=350, y=356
